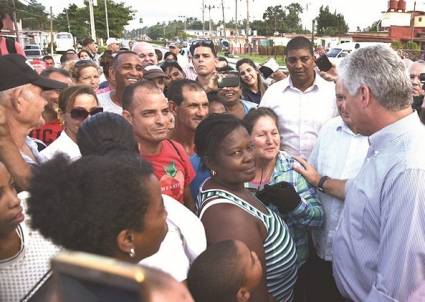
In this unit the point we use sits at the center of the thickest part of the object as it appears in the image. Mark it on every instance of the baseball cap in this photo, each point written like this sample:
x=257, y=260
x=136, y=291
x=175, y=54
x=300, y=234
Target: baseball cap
x=112, y=41
x=16, y=71
x=151, y=72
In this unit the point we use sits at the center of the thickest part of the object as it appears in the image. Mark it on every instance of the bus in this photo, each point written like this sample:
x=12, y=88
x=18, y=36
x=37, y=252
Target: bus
x=64, y=41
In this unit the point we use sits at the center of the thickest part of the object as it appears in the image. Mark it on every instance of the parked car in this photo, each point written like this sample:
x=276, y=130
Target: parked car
x=33, y=51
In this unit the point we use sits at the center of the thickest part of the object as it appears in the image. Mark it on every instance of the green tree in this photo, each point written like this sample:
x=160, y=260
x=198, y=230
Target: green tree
x=274, y=16
x=292, y=19
x=330, y=23
x=33, y=15
x=282, y=19
x=118, y=16
x=374, y=27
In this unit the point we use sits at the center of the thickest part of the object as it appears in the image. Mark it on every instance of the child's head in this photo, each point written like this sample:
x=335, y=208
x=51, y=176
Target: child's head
x=227, y=271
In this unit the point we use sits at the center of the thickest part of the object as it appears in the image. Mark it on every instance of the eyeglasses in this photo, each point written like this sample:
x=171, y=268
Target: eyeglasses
x=81, y=114
x=206, y=43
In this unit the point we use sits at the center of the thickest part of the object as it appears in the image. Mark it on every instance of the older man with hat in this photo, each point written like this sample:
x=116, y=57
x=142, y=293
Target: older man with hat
x=155, y=74
x=113, y=45
x=21, y=106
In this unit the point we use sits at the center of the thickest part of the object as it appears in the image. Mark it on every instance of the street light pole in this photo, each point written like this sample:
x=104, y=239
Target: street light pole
x=92, y=26
x=203, y=18
x=107, y=21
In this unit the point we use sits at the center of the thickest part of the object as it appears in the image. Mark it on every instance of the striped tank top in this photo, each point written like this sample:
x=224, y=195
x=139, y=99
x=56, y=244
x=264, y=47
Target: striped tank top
x=279, y=248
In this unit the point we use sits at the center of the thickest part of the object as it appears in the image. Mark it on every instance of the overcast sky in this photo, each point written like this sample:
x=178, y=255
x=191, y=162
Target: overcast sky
x=356, y=12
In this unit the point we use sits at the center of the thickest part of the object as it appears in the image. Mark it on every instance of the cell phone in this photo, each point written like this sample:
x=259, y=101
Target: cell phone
x=265, y=71
x=85, y=277
x=228, y=81
x=323, y=63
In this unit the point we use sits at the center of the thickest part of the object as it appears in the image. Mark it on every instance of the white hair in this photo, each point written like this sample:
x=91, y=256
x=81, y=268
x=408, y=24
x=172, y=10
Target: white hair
x=382, y=70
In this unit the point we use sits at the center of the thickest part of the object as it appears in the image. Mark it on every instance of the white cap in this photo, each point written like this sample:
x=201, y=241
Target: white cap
x=272, y=64
x=112, y=41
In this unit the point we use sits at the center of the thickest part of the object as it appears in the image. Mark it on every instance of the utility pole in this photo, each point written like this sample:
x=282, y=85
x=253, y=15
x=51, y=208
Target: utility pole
x=107, y=21
x=51, y=31
x=15, y=24
x=67, y=21
x=247, y=18
x=412, y=22
x=224, y=22
x=312, y=31
x=92, y=26
x=203, y=18
x=209, y=17
x=236, y=19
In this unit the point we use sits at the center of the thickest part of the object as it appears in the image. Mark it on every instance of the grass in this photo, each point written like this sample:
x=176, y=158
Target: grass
x=260, y=59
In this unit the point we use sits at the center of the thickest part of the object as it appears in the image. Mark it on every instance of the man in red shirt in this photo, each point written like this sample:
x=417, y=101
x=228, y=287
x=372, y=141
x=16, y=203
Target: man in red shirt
x=147, y=109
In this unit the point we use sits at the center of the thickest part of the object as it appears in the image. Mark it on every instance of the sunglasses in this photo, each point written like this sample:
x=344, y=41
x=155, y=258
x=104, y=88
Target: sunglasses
x=205, y=43
x=81, y=114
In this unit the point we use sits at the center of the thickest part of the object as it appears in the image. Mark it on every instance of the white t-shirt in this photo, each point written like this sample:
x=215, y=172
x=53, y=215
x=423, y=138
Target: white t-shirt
x=29, y=268
x=184, y=241
x=108, y=105
x=63, y=144
x=301, y=113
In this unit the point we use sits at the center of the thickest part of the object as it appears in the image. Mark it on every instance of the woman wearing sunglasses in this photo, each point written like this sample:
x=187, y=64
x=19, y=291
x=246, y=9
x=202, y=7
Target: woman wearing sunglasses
x=76, y=103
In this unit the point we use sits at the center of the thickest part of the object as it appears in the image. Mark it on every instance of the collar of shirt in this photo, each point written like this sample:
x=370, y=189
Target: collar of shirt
x=385, y=136
x=341, y=126
x=288, y=84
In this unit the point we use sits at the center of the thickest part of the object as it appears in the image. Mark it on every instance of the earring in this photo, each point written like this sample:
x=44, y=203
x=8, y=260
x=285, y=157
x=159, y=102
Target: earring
x=132, y=253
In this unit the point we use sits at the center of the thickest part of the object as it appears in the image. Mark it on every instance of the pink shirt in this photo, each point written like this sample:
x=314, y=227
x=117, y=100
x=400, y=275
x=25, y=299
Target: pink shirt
x=3, y=48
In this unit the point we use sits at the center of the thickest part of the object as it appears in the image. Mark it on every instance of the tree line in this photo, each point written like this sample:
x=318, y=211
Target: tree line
x=276, y=20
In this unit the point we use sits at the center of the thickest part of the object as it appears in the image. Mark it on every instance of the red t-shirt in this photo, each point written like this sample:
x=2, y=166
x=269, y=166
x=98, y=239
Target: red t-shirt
x=4, y=51
x=172, y=168
x=48, y=132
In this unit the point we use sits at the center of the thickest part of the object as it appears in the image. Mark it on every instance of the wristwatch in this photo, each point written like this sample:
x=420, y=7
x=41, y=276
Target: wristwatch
x=321, y=183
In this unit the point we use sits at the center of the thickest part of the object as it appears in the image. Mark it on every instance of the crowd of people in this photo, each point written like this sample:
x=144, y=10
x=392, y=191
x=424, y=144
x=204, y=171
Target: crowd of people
x=301, y=187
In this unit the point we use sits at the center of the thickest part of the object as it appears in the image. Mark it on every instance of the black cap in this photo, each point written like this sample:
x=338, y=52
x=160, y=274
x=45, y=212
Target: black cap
x=15, y=71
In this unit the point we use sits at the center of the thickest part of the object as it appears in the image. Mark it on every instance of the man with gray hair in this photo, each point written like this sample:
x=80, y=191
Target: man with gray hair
x=379, y=245
x=146, y=52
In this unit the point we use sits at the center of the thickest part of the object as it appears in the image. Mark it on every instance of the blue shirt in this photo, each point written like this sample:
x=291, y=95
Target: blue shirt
x=379, y=245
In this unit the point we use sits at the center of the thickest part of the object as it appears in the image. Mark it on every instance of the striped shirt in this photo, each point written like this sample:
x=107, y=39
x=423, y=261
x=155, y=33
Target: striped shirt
x=307, y=214
x=379, y=245
x=279, y=248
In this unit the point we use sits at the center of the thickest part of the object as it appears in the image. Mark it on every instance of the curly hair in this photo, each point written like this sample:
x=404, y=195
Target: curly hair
x=211, y=132
x=84, y=205
x=106, y=133
x=80, y=65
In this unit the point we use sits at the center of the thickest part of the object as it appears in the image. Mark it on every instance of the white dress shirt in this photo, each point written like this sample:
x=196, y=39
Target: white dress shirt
x=339, y=154
x=379, y=244
x=63, y=144
x=301, y=113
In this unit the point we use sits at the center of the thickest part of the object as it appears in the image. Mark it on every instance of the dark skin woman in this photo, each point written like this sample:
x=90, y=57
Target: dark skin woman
x=230, y=211
x=76, y=208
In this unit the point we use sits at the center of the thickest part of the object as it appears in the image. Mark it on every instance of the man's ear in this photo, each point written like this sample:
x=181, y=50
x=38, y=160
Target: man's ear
x=125, y=241
x=243, y=295
x=18, y=100
x=127, y=115
x=365, y=96
x=173, y=107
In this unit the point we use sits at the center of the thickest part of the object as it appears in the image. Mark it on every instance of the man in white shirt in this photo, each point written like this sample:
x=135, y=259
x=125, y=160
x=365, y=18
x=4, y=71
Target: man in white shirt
x=339, y=153
x=303, y=101
x=126, y=69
